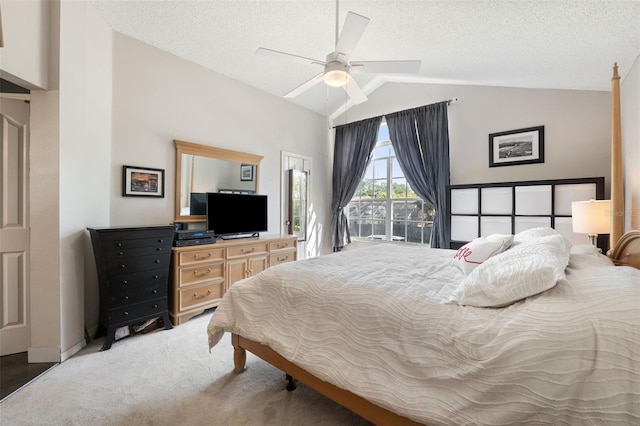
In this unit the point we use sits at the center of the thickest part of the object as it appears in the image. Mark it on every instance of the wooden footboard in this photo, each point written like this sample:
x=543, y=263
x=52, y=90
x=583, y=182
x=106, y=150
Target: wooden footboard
x=355, y=403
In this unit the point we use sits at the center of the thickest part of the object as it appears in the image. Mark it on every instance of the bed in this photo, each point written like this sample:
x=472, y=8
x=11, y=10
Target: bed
x=541, y=331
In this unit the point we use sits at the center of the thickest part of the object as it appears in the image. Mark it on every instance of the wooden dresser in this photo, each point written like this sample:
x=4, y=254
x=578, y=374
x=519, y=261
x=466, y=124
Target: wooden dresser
x=133, y=275
x=200, y=275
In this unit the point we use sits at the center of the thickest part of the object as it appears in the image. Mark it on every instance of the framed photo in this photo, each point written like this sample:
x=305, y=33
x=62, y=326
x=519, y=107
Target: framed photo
x=246, y=172
x=515, y=147
x=142, y=182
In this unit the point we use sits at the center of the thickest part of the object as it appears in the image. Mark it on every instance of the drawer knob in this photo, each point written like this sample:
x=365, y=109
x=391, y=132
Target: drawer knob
x=155, y=305
x=118, y=244
x=155, y=277
x=156, y=261
x=126, y=313
x=248, y=251
x=201, y=273
x=159, y=249
x=125, y=282
x=160, y=240
x=126, y=298
x=282, y=259
x=195, y=256
x=122, y=266
x=196, y=297
x=155, y=291
x=120, y=253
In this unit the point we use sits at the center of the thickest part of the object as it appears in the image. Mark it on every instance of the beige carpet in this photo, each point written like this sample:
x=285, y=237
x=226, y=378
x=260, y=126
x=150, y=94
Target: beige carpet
x=167, y=377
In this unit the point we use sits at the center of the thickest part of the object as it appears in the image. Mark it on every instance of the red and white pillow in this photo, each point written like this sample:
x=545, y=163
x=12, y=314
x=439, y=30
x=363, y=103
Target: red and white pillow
x=474, y=253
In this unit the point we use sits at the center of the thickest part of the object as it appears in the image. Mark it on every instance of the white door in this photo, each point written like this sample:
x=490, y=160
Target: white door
x=14, y=237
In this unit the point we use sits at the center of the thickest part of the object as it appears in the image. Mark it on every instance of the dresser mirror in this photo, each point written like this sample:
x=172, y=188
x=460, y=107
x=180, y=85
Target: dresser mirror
x=202, y=168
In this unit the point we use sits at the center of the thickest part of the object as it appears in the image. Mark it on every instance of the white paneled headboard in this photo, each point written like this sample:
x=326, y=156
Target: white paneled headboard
x=481, y=209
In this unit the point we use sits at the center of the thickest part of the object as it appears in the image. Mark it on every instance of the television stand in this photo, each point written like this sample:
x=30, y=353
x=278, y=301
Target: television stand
x=238, y=236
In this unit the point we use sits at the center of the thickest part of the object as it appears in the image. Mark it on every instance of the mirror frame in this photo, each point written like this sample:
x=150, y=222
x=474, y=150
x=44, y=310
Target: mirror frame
x=191, y=148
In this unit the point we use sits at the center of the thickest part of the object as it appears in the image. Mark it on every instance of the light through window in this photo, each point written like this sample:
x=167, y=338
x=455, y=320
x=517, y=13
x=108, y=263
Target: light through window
x=384, y=206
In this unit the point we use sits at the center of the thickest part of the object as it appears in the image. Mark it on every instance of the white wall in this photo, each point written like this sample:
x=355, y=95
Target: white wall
x=159, y=97
x=577, y=127
x=24, y=57
x=84, y=150
x=630, y=123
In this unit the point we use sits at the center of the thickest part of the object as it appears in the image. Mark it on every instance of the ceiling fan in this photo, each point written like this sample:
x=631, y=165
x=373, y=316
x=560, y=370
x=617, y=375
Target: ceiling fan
x=337, y=65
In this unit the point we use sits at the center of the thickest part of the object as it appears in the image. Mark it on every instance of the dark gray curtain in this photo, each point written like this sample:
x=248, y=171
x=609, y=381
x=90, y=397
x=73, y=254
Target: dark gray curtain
x=353, y=146
x=420, y=138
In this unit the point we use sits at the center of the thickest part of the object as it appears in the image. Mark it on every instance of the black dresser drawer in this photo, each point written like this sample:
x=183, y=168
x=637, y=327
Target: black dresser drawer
x=127, y=291
x=132, y=264
x=130, y=251
x=115, y=234
x=138, y=311
x=122, y=244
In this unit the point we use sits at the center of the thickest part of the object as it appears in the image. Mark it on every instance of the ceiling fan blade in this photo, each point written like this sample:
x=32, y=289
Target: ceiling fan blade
x=354, y=91
x=277, y=54
x=352, y=30
x=305, y=86
x=385, y=67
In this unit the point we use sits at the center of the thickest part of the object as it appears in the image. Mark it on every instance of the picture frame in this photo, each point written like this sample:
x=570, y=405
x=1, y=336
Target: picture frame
x=516, y=147
x=246, y=172
x=142, y=182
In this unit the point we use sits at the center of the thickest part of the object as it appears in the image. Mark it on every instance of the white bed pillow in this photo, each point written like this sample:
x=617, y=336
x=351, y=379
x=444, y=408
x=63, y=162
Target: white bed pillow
x=587, y=256
x=524, y=270
x=474, y=253
x=506, y=238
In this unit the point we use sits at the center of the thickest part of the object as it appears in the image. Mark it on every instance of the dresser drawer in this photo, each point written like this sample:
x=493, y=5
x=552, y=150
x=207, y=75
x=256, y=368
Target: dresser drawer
x=115, y=253
x=138, y=279
x=248, y=249
x=200, y=273
x=279, y=245
x=125, y=294
x=136, y=311
x=137, y=264
x=283, y=257
x=136, y=234
x=203, y=294
x=199, y=256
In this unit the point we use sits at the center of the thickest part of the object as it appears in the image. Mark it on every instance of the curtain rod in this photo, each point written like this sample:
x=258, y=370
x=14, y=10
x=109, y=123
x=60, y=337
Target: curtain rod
x=448, y=101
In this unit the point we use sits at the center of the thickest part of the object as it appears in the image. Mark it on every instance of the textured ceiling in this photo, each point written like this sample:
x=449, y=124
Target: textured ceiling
x=534, y=44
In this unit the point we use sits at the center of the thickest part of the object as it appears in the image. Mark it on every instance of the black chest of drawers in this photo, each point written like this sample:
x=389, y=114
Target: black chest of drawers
x=133, y=275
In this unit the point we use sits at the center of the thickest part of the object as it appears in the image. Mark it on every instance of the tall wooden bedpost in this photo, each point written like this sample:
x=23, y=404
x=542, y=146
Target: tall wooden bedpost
x=617, y=200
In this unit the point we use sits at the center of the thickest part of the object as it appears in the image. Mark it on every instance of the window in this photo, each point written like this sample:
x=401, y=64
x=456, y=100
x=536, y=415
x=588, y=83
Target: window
x=384, y=206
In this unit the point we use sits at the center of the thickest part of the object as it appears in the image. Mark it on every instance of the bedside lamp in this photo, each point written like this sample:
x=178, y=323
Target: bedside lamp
x=591, y=217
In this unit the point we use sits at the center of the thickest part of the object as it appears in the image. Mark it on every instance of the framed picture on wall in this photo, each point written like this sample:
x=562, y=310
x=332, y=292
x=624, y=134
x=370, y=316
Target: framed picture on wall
x=515, y=147
x=142, y=182
x=246, y=172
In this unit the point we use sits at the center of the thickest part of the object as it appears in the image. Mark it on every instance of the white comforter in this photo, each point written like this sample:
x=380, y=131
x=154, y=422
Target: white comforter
x=377, y=321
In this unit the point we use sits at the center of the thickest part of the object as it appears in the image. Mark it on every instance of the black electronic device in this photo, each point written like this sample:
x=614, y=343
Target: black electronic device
x=194, y=234
x=194, y=242
x=236, y=215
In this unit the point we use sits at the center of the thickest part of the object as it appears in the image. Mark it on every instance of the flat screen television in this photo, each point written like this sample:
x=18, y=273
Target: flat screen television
x=236, y=215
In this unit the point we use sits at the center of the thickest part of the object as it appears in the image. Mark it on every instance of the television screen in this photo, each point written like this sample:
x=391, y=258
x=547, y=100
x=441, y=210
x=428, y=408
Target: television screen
x=236, y=214
x=198, y=203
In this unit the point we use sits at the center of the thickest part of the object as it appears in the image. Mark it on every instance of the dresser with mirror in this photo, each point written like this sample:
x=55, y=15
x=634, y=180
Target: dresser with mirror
x=201, y=274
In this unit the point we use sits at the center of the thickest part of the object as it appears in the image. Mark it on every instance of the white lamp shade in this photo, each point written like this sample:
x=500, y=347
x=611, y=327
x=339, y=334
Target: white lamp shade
x=591, y=217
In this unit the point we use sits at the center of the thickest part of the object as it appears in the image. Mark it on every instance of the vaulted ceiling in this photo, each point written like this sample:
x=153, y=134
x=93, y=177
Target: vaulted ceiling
x=533, y=44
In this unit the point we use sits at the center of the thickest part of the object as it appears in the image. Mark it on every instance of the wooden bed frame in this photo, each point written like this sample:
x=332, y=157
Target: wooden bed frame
x=625, y=252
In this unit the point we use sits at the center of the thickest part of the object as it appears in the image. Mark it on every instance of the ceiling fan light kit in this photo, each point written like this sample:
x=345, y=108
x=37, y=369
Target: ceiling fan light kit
x=336, y=74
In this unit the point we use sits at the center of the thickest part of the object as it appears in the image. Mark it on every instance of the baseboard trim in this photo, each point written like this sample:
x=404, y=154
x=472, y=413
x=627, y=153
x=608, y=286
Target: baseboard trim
x=73, y=350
